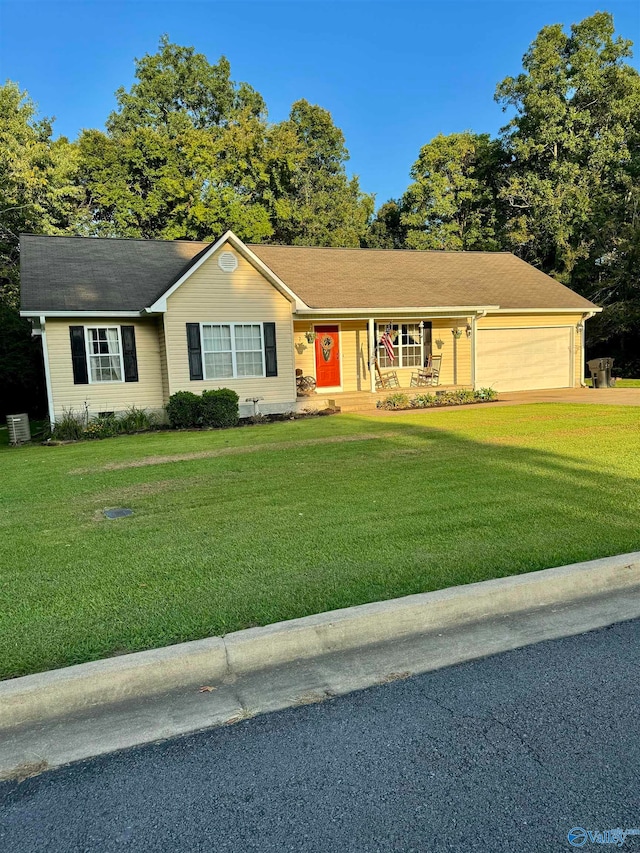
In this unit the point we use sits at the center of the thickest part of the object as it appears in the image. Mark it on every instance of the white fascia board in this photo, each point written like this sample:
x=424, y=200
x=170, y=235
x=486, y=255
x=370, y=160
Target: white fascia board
x=446, y=310
x=160, y=305
x=81, y=313
x=542, y=310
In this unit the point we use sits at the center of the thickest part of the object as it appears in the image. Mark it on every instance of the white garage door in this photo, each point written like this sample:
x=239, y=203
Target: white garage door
x=524, y=359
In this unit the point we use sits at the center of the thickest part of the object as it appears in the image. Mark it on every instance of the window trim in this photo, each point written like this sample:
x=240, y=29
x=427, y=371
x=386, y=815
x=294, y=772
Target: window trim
x=88, y=342
x=234, y=361
x=397, y=345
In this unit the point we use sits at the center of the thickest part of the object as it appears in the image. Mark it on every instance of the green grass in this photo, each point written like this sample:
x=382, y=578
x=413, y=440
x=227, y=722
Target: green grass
x=620, y=383
x=283, y=525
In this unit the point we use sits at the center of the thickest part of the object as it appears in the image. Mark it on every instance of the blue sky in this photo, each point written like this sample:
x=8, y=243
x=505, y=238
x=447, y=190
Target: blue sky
x=393, y=74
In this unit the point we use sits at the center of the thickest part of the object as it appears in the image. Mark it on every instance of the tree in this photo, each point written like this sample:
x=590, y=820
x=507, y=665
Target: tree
x=576, y=104
x=38, y=194
x=38, y=191
x=178, y=86
x=452, y=203
x=386, y=230
x=182, y=155
x=312, y=201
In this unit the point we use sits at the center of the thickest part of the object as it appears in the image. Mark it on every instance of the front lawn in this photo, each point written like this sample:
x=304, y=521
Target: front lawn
x=249, y=526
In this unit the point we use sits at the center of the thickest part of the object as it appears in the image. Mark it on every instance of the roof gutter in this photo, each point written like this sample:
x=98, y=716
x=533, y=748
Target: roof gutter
x=393, y=311
x=81, y=314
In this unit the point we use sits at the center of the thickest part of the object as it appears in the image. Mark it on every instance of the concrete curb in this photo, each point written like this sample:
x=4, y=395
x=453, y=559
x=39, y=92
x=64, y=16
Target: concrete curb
x=49, y=695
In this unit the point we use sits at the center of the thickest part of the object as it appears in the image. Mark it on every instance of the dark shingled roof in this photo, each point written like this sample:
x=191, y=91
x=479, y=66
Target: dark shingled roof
x=99, y=274
x=104, y=274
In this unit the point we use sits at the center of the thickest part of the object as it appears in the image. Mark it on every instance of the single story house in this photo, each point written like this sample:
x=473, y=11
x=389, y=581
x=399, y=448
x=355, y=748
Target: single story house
x=129, y=322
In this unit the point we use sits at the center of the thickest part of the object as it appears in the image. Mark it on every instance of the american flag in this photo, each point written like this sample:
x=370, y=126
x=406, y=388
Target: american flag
x=387, y=343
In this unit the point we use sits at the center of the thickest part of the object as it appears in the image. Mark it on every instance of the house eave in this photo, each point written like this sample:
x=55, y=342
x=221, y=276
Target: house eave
x=386, y=312
x=81, y=313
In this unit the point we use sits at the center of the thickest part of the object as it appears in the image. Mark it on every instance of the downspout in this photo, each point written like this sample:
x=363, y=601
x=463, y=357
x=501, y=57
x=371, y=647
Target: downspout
x=47, y=374
x=372, y=355
x=583, y=349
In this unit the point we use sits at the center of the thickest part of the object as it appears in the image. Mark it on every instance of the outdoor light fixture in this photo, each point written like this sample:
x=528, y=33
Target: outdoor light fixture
x=468, y=330
x=579, y=327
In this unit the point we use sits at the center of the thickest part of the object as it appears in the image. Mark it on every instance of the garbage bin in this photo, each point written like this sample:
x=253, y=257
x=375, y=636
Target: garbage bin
x=600, y=369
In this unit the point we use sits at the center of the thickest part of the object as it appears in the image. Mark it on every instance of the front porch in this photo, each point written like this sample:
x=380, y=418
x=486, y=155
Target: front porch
x=348, y=362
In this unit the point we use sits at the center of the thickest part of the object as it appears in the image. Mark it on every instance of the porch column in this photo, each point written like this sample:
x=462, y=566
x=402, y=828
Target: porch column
x=473, y=352
x=372, y=355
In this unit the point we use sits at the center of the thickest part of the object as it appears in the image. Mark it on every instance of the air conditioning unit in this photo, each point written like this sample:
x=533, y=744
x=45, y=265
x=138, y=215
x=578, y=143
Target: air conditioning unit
x=19, y=430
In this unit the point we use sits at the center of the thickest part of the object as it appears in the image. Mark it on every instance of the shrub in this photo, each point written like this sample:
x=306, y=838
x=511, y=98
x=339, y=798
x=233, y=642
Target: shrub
x=104, y=426
x=220, y=408
x=136, y=420
x=423, y=401
x=70, y=427
x=394, y=401
x=184, y=409
x=486, y=394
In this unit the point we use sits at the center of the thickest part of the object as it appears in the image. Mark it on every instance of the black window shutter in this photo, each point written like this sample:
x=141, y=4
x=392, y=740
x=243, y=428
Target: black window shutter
x=195, y=351
x=78, y=355
x=128, y=334
x=270, y=355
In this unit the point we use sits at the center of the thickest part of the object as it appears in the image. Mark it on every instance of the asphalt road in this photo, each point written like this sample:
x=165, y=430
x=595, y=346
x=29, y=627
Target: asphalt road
x=503, y=754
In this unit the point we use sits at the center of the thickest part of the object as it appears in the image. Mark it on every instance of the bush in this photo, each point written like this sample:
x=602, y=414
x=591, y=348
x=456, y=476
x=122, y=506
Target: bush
x=220, y=408
x=184, y=409
x=423, y=401
x=486, y=394
x=136, y=420
x=70, y=427
x=102, y=427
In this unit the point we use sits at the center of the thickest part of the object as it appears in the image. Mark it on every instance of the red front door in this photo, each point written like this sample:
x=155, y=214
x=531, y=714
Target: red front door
x=327, y=357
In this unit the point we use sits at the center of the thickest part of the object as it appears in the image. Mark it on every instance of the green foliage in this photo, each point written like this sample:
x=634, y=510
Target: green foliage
x=184, y=410
x=219, y=408
x=134, y=420
x=21, y=375
x=386, y=230
x=394, y=401
x=311, y=200
x=38, y=182
x=486, y=394
x=70, y=427
x=105, y=426
x=461, y=397
x=452, y=203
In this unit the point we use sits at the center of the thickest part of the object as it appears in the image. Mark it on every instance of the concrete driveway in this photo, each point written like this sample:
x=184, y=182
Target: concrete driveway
x=600, y=396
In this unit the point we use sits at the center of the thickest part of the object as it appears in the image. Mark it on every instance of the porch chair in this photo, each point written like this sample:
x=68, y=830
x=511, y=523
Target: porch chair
x=388, y=379
x=428, y=375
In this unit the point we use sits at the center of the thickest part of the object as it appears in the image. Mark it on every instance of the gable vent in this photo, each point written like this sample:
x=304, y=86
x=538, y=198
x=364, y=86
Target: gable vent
x=228, y=262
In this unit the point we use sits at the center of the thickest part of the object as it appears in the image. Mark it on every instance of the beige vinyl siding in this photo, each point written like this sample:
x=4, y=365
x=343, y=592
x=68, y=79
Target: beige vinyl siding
x=164, y=369
x=452, y=350
x=529, y=321
x=211, y=295
x=146, y=393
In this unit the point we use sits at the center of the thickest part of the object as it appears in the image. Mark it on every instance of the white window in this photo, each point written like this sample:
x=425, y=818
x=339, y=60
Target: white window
x=232, y=350
x=104, y=353
x=407, y=345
